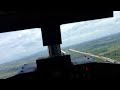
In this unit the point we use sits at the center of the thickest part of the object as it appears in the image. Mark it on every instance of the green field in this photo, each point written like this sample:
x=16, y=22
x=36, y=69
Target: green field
x=12, y=68
x=108, y=46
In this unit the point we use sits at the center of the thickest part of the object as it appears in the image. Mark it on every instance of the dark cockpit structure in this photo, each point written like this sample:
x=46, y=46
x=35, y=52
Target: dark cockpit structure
x=58, y=66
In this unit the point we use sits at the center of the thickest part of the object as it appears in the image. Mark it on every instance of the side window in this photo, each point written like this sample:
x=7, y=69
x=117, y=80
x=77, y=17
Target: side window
x=18, y=48
x=93, y=41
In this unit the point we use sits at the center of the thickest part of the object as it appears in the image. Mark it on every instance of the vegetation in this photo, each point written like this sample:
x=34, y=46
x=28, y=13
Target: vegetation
x=13, y=68
x=108, y=46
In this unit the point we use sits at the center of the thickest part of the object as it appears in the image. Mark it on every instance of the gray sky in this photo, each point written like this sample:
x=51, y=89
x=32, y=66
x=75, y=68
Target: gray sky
x=18, y=44
x=79, y=32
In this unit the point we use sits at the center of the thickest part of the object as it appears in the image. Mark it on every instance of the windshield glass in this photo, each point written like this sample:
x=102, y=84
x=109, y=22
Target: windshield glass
x=93, y=40
x=20, y=49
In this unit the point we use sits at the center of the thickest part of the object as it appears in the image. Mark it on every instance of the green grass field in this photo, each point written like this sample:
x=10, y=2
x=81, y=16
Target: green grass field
x=12, y=68
x=108, y=46
x=8, y=69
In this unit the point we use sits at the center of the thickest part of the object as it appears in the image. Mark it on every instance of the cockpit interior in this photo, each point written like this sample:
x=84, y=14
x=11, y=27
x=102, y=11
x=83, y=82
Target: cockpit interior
x=60, y=45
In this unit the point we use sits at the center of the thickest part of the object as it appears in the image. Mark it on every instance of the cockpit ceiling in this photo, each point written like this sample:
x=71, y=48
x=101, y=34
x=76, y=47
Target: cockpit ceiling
x=11, y=21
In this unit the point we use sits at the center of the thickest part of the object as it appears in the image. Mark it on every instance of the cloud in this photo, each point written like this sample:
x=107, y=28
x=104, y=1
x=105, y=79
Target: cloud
x=89, y=30
x=67, y=27
x=116, y=13
x=18, y=44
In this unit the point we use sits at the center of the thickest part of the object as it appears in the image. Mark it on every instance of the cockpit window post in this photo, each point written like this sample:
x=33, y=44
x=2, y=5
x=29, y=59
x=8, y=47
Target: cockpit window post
x=54, y=50
x=52, y=38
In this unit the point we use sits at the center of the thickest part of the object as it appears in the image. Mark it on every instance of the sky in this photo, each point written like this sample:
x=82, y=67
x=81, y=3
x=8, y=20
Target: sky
x=80, y=32
x=19, y=44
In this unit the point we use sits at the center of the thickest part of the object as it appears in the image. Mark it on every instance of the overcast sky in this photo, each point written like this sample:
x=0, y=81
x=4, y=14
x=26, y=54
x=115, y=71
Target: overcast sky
x=18, y=44
x=79, y=32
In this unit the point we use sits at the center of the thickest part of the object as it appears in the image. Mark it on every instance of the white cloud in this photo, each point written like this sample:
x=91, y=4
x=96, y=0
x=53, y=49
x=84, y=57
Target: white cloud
x=67, y=27
x=88, y=30
x=116, y=13
x=18, y=44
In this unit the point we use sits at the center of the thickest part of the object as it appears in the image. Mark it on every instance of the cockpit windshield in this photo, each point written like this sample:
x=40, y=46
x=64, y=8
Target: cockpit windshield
x=93, y=40
x=86, y=41
x=19, y=49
